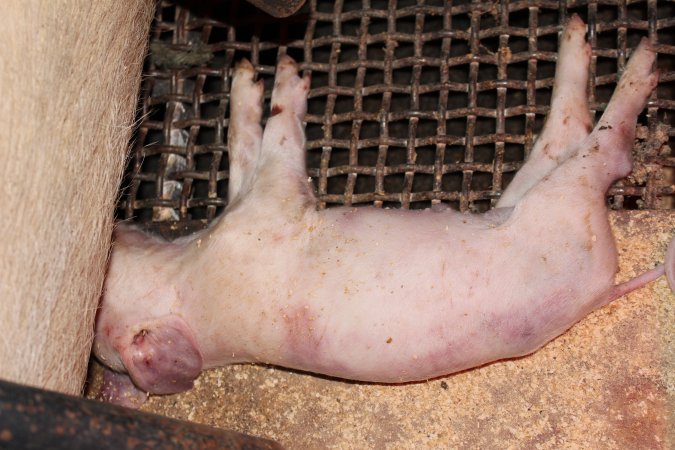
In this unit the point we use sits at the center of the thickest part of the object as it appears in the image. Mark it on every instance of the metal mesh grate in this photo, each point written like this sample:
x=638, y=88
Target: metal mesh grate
x=412, y=102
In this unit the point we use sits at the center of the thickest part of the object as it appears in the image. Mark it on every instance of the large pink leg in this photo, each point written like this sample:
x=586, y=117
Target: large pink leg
x=244, y=138
x=568, y=122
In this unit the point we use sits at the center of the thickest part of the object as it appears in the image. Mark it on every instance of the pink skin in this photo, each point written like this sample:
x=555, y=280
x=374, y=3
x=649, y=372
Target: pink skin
x=670, y=265
x=371, y=294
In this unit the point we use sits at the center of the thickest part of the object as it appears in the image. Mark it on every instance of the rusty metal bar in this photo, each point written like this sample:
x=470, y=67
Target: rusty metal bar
x=32, y=418
x=412, y=102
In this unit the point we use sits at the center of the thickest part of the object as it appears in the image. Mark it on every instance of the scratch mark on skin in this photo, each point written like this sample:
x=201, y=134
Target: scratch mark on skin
x=547, y=151
x=591, y=238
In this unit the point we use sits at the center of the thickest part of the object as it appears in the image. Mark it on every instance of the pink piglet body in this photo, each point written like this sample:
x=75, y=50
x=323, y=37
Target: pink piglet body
x=371, y=294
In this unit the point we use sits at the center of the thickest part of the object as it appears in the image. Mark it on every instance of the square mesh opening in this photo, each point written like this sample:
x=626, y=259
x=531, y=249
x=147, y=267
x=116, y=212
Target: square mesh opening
x=412, y=102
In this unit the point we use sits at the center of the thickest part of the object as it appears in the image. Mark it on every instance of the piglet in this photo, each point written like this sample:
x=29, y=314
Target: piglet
x=372, y=294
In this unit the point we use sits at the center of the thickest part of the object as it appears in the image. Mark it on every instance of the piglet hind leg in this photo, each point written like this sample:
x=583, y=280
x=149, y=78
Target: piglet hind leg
x=244, y=138
x=616, y=129
x=570, y=201
x=606, y=154
x=569, y=121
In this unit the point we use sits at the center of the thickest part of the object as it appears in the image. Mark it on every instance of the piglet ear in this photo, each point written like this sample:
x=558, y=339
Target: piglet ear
x=163, y=357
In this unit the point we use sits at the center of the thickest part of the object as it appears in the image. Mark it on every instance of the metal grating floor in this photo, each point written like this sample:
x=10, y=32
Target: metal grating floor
x=412, y=102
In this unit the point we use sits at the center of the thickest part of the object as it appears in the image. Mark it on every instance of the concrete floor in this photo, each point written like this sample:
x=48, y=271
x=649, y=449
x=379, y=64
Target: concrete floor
x=609, y=383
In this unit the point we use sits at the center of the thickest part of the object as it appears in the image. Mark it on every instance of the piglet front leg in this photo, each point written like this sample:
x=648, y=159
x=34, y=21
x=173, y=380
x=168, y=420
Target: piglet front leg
x=281, y=172
x=244, y=139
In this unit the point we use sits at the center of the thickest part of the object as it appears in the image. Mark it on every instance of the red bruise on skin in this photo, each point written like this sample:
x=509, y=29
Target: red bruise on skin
x=547, y=151
x=553, y=309
x=449, y=354
x=511, y=329
x=552, y=306
x=276, y=109
x=306, y=345
x=301, y=334
x=518, y=329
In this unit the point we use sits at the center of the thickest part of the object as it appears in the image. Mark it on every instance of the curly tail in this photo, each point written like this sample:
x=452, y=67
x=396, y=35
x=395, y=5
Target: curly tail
x=667, y=269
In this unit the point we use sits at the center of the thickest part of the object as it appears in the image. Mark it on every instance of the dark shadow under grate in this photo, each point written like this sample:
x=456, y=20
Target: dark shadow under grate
x=412, y=102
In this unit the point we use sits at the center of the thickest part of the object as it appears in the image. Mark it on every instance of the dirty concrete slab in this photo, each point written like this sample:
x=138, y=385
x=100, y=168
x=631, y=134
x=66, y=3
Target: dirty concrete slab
x=609, y=382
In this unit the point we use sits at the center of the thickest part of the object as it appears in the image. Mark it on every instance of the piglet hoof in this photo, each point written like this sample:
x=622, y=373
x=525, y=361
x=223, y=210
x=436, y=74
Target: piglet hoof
x=244, y=66
x=290, y=91
x=249, y=93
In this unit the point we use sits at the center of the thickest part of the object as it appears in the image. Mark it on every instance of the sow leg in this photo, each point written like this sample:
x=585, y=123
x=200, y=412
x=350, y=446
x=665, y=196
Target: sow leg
x=69, y=77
